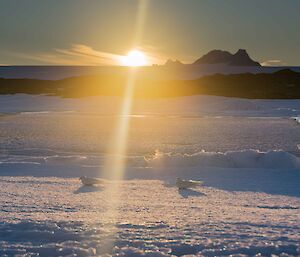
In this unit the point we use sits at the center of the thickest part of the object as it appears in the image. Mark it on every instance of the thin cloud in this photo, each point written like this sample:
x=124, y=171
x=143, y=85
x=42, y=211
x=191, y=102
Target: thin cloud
x=88, y=55
x=272, y=63
x=77, y=54
x=83, y=55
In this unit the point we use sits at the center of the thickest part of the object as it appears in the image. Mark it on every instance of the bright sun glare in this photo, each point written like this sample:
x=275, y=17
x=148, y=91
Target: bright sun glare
x=134, y=58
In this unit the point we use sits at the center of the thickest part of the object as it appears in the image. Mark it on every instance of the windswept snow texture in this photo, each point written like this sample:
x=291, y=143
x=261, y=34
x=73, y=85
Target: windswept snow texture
x=57, y=217
x=54, y=217
x=246, y=152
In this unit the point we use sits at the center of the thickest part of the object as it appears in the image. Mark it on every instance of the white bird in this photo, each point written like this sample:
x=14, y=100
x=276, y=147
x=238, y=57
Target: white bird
x=90, y=181
x=185, y=184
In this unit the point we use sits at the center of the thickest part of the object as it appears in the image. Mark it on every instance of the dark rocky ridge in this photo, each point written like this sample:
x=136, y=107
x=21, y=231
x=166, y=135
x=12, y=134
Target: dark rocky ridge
x=283, y=84
x=213, y=57
x=240, y=58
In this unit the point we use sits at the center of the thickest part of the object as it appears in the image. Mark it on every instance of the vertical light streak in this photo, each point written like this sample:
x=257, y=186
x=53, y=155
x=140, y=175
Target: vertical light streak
x=115, y=164
x=140, y=22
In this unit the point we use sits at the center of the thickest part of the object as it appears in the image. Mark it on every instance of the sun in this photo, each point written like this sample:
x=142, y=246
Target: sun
x=134, y=58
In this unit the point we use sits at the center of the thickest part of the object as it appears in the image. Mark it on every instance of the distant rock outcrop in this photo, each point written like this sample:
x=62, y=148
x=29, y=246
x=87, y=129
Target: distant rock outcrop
x=215, y=56
x=170, y=62
x=240, y=58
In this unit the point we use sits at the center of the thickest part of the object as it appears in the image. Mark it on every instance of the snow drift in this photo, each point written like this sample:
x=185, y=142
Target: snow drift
x=275, y=159
x=230, y=159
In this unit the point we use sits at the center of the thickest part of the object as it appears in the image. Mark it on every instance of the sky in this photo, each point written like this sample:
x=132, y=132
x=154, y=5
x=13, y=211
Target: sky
x=98, y=32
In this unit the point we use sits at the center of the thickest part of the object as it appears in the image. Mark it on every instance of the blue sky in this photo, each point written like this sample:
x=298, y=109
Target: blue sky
x=97, y=31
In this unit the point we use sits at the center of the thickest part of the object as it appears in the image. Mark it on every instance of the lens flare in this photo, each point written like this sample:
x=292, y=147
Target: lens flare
x=134, y=58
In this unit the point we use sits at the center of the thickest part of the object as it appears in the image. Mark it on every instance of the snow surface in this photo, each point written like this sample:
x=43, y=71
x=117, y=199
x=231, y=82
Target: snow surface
x=246, y=152
x=55, y=217
x=194, y=106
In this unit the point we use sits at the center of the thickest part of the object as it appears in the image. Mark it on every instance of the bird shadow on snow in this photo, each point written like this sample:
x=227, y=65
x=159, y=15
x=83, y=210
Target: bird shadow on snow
x=270, y=181
x=88, y=189
x=275, y=182
x=186, y=193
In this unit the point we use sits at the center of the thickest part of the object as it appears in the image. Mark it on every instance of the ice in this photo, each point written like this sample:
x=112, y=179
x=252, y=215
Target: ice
x=185, y=72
